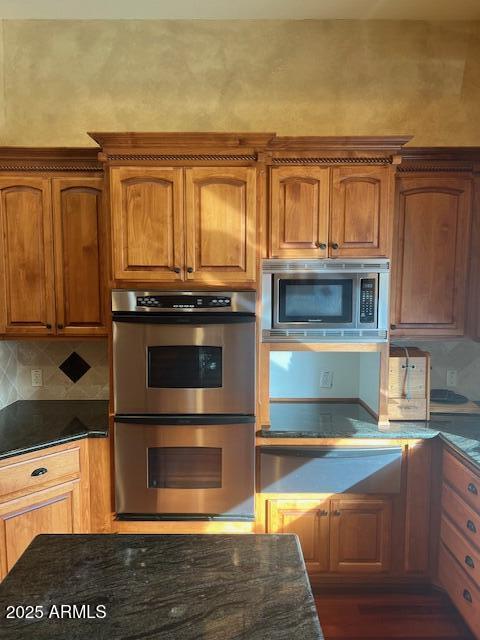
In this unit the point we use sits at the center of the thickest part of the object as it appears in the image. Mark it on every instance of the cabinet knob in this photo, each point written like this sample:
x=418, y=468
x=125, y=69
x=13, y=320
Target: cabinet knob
x=467, y=595
x=321, y=245
x=177, y=269
x=335, y=245
x=471, y=527
x=469, y=562
x=59, y=326
x=39, y=472
x=336, y=512
x=323, y=512
x=472, y=489
x=189, y=269
x=48, y=325
x=393, y=326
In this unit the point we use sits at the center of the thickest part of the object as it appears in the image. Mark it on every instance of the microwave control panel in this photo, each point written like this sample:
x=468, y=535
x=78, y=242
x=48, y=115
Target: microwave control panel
x=184, y=302
x=367, y=300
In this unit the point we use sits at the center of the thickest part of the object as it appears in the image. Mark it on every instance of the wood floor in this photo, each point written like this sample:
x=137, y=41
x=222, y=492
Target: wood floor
x=389, y=616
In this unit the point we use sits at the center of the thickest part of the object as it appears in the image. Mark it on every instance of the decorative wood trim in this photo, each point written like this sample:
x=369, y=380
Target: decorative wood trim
x=408, y=168
x=119, y=141
x=38, y=159
x=190, y=157
x=55, y=167
x=385, y=144
x=332, y=160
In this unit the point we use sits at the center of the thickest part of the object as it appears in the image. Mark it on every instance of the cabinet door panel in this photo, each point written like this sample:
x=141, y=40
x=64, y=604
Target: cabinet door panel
x=220, y=225
x=309, y=520
x=147, y=212
x=433, y=222
x=360, y=535
x=79, y=246
x=26, y=226
x=361, y=211
x=299, y=211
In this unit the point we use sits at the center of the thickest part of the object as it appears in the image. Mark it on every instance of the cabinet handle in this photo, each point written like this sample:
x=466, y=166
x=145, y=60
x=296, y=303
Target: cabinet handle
x=189, y=269
x=335, y=245
x=471, y=526
x=323, y=512
x=467, y=595
x=393, y=326
x=60, y=326
x=469, y=562
x=336, y=513
x=177, y=269
x=49, y=326
x=38, y=472
x=472, y=489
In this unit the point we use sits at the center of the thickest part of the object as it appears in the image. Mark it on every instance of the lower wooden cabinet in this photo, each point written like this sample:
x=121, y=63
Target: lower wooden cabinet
x=340, y=535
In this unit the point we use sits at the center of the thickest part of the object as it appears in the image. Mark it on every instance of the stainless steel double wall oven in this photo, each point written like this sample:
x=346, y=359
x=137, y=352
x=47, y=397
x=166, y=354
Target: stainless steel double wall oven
x=184, y=394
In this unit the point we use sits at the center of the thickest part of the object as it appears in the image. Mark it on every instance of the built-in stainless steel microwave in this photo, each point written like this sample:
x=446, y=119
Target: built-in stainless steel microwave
x=319, y=300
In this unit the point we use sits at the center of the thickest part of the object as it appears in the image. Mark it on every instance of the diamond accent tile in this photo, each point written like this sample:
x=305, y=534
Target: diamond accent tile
x=74, y=367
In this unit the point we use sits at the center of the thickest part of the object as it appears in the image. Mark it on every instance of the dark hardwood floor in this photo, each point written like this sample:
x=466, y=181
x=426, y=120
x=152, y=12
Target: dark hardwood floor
x=360, y=615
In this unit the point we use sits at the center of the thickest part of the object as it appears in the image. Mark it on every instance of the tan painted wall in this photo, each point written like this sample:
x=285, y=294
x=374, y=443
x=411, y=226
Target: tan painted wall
x=62, y=78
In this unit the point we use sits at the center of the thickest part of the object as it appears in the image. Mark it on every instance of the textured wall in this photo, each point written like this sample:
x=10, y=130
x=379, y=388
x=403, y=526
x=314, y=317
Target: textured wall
x=62, y=78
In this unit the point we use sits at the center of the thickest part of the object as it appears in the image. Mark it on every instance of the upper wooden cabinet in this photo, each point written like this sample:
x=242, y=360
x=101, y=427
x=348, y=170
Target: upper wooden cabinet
x=431, y=254
x=52, y=251
x=209, y=237
x=318, y=212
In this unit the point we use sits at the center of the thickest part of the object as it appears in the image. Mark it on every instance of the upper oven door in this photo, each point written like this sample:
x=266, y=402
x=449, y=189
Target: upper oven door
x=184, y=364
x=310, y=299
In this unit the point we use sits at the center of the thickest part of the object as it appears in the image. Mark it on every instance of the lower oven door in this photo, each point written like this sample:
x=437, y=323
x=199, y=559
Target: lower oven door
x=164, y=468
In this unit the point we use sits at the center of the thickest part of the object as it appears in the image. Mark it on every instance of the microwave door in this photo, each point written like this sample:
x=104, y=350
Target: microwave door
x=315, y=302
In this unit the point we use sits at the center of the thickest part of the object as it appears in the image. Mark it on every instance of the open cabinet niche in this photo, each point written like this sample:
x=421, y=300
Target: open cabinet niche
x=351, y=375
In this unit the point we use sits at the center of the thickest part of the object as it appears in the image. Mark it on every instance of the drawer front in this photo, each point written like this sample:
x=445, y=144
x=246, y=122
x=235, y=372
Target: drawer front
x=461, y=515
x=466, y=483
x=464, y=594
x=30, y=474
x=463, y=551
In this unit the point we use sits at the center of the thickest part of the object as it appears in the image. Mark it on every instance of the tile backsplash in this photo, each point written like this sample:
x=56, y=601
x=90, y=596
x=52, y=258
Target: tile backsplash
x=18, y=358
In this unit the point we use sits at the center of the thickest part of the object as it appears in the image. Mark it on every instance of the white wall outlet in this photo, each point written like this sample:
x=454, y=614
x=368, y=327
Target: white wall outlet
x=452, y=377
x=326, y=379
x=37, y=377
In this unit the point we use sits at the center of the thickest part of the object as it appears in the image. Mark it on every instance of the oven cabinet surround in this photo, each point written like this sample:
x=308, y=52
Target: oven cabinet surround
x=459, y=549
x=351, y=537
x=46, y=491
x=436, y=243
x=323, y=212
x=52, y=244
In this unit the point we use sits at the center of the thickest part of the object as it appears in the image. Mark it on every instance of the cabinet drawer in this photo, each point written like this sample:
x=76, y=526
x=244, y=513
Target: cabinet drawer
x=464, y=553
x=461, y=515
x=30, y=474
x=466, y=483
x=464, y=594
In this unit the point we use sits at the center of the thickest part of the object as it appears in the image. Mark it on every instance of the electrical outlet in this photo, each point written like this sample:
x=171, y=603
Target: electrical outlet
x=37, y=377
x=326, y=379
x=452, y=377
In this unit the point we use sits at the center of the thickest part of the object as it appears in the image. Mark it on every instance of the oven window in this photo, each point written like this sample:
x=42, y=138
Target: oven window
x=315, y=300
x=184, y=468
x=184, y=367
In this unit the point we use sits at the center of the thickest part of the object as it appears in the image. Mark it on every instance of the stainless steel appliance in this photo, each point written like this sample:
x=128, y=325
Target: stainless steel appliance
x=184, y=395
x=318, y=300
x=184, y=352
x=182, y=467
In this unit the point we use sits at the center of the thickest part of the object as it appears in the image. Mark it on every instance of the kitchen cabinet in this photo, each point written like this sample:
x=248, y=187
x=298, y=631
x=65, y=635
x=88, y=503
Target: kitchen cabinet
x=52, y=246
x=207, y=237
x=319, y=212
x=431, y=255
x=347, y=534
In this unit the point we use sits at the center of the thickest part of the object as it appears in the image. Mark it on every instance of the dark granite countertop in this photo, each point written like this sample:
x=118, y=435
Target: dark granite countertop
x=331, y=420
x=28, y=425
x=167, y=587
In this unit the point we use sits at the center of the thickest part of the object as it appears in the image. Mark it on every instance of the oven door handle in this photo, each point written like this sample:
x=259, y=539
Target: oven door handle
x=184, y=318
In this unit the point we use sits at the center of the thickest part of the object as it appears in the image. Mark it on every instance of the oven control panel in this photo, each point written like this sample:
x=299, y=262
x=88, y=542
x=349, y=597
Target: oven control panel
x=184, y=302
x=367, y=300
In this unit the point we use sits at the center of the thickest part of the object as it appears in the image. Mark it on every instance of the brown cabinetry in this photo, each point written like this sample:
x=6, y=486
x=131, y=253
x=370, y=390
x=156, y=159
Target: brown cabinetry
x=431, y=255
x=348, y=534
x=319, y=212
x=52, y=259
x=206, y=237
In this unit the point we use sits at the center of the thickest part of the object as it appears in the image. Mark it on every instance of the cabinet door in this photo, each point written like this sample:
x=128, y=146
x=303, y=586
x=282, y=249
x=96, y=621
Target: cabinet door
x=79, y=228
x=361, y=211
x=221, y=225
x=147, y=224
x=431, y=256
x=26, y=253
x=299, y=212
x=55, y=510
x=360, y=535
x=309, y=520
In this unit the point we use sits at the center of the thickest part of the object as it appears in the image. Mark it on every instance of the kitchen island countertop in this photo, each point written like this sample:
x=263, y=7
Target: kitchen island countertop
x=342, y=420
x=167, y=587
